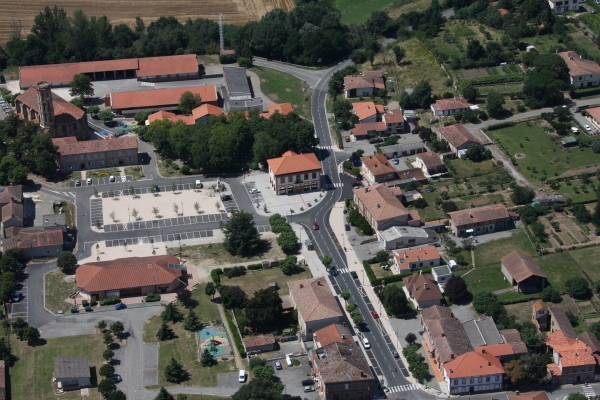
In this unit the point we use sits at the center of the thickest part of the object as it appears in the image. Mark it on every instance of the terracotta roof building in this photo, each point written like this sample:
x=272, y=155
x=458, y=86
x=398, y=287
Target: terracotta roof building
x=294, y=173
x=521, y=270
x=560, y=322
x=58, y=117
x=342, y=372
x=366, y=85
x=382, y=208
x=479, y=220
x=503, y=11
x=259, y=344
x=574, y=361
x=131, y=276
x=458, y=138
x=583, y=73
x=594, y=115
x=528, y=396
x=9, y=194
x=76, y=155
x=430, y=163
x=315, y=303
x=377, y=169
x=164, y=68
x=414, y=258
x=36, y=242
x=446, y=107
x=473, y=372
x=130, y=103
x=332, y=333
x=423, y=289
x=12, y=215
x=282, y=108
x=363, y=131
x=367, y=111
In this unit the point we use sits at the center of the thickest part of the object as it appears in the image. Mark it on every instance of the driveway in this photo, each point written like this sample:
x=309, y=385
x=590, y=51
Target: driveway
x=292, y=378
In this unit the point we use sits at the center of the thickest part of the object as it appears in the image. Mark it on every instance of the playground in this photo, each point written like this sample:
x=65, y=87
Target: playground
x=215, y=339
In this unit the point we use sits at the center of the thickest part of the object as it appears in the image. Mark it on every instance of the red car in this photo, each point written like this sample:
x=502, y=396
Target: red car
x=347, y=138
x=374, y=314
x=356, y=184
x=315, y=226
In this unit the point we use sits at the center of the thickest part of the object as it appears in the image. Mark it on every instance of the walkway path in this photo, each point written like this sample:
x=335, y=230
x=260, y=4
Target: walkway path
x=238, y=359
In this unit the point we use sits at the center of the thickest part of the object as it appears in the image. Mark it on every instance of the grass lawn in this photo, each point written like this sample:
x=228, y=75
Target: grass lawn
x=589, y=260
x=260, y=279
x=355, y=11
x=491, y=252
x=453, y=39
x=215, y=254
x=284, y=88
x=31, y=376
x=380, y=272
x=542, y=156
x=558, y=268
x=580, y=197
x=512, y=296
x=98, y=173
x=508, y=88
x=585, y=43
x=57, y=290
x=431, y=213
x=206, y=310
x=467, y=168
x=544, y=43
x=137, y=172
x=485, y=279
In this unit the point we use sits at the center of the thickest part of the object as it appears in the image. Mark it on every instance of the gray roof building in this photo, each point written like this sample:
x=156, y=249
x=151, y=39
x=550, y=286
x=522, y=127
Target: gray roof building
x=236, y=83
x=52, y=220
x=482, y=331
x=442, y=270
x=73, y=367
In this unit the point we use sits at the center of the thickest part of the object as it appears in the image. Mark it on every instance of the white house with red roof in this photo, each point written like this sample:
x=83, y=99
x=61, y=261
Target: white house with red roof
x=294, y=173
x=473, y=372
x=446, y=107
x=365, y=85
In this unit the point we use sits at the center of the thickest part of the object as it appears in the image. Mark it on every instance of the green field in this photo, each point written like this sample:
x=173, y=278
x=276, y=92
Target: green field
x=585, y=43
x=467, y=168
x=544, y=43
x=452, y=41
x=592, y=20
x=485, y=279
x=558, y=268
x=284, y=88
x=31, y=376
x=542, y=156
x=491, y=252
x=508, y=88
x=356, y=11
x=589, y=260
x=260, y=279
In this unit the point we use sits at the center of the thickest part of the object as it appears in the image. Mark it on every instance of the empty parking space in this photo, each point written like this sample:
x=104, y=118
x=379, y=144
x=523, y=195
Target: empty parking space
x=19, y=309
x=166, y=238
x=96, y=217
x=254, y=193
x=151, y=189
x=164, y=223
x=102, y=181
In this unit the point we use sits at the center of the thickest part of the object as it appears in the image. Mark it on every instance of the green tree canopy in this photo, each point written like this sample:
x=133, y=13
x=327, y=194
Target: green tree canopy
x=578, y=287
x=395, y=301
x=522, y=195
x=494, y=103
x=66, y=261
x=163, y=394
x=189, y=101
x=175, y=373
x=241, y=236
x=478, y=153
x=456, y=289
x=264, y=309
x=81, y=86
x=106, y=115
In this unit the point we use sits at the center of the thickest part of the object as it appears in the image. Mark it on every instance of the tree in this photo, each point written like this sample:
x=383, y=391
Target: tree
x=596, y=147
x=9, y=264
x=327, y=260
x=394, y=300
x=77, y=102
x=94, y=110
x=101, y=325
x=477, y=153
x=117, y=395
x=155, y=211
x=191, y=322
x=188, y=101
x=165, y=332
x=420, y=203
x=487, y=303
x=581, y=213
x=549, y=294
x=536, y=366
x=475, y=50
x=81, y=86
x=117, y=328
x=206, y=358
x=494, y=103
x=141, y=117
x=357, y=318
x=175, y=373
x=241, y=236
x=410, y=338
x=345, y=296
x=170, y=313
x=288, y=265
x=108, y=354
x=106, y=387
x=342, y=110
x=185, y=297
x=163, y=395
x=259, y=389
x=470, y=92
x=577, y=396
x=288, y=241
x=232, y=296
x=399, y=53
x=66, y=261
x=522, y=195
x=106, y=115
x=578, y=288
x=456, y=289
x=107, y=338
x=107, y=370
x=264, y=372
x=515, y=371
x=210, y=289
x=264, y=309
x=31, y=335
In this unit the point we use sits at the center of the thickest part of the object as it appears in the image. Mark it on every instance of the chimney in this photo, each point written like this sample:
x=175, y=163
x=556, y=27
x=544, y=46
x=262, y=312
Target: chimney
x=489, y=364
x=343, y=336
x=470, y=215
x=425, y=286
x=378, y=205
x=452, y=356
x=482, y=351
x=301, y=286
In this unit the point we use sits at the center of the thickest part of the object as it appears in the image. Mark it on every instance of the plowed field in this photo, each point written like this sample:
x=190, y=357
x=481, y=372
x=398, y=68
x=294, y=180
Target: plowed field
x=237, y=12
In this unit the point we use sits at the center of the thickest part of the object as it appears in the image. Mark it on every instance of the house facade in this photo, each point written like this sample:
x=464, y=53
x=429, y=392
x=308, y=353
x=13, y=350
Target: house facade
x=416, y=258
x=36, y=242
x=365, y=85
x=76, y=155
x=430, y=163
x=259, y=344
x=522, y=271
x=473, y=372
x=574, y=361
x=294, y=173
x=72, y=373
x=479, y=221
x=382, y=208
x=582, y=73
x=561, y=6
x=315, y=303
x=377, y=169
x=448, y=107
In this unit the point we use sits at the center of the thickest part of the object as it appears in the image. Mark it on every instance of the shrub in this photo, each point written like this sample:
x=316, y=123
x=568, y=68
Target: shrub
x=152, y=297
x=596, y=147
x=110, y=301
x=254, y=267
x=236, y=335
x=215, y=276
x=85, y=303
x=551, y=295
x=578, y=288
x=234, y=271
x=185, y=170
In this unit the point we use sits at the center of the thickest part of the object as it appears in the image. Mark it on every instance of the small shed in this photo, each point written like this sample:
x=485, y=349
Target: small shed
x=72, y=373
x=259, y=344
x=568, y=141
x=441, y=274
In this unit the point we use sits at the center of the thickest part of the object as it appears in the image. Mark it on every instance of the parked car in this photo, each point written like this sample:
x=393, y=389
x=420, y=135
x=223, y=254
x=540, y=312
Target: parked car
x=309, y=389
x=307, y=382
x=347, y=227
x=226, y=197
x=111, y=178
x=77, y=182
x=587, y=128
x=278, y=365
x=354, y=275
x=116, y=378
x=356, y=184
x=395, y=354
x=395, y=161
x=374, y=314
x=16, y=296
x=89, y=181
x=347, y=138
x=120, y=306
x=315, y=226
x=242, y=376
x=366, y=343
x=252, y=191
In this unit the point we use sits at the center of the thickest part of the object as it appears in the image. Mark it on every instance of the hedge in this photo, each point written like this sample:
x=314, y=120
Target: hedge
x=501, y=125
x=587, y=92
x=492, y=80
x=522, y=300
x=152, y=297
x=254, y=267
x=236, y=335
x=215, y=274
x=110, y=301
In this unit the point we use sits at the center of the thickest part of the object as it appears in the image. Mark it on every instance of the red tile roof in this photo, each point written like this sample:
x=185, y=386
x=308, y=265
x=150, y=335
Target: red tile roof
x=393, y=116
x=293, y=163
x=186, y=119
x=478, y=215
x=343, y=362
x=159, y=98
x=528, y=396
x=457, y=135
x=405, y=257
x=366, y=109
x=70, y=145
x=423, y=287
x=283, y=109
x=205, y=110
x=40, y=237
x=430, y=159
x=260, y=340
x=381, y=201
x=333, y=333
x=365, y=129
x=503, y=11
x=449, y=104
x=370, y=79
x=12, y=231
x=521, y=266
x=60, y=105
x=63, y=73
x=473, y=364
x=126, y=273
x=497, y=350
x=579, y=66
x=12, y=210
x=573, y=352
x=8, y=193
x=594, y=113
x=314, y=299
x=378, y=164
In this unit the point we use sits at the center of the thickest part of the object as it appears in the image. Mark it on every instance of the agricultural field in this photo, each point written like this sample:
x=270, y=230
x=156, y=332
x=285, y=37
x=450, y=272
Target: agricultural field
x=236, y=12
x=589, y=260
x=490, y=253
x=452, y=41
x=592, y=20
x=558, y=267
x=506, y=88
x=585, y=43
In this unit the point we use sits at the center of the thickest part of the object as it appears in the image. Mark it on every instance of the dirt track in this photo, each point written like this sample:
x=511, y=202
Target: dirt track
x=235, y=12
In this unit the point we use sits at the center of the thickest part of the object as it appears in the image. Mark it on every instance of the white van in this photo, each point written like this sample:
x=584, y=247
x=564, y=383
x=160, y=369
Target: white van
x=366, y=343
x=198, y=184
x=288, y=360
x=242, y=376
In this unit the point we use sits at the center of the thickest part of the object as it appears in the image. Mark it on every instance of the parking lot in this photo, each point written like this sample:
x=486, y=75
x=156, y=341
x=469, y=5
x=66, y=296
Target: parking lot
x=101, y=181
x=19, y=309
x=165, y=223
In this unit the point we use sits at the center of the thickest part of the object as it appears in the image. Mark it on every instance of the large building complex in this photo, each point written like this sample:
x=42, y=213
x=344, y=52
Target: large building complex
x=76, y=155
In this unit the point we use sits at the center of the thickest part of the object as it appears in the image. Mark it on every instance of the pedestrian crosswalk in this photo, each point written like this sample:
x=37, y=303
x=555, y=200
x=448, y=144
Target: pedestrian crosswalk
x=325, y=147
x=403, y=388
x=333, y=185
x=343, y=270
x=588, y=391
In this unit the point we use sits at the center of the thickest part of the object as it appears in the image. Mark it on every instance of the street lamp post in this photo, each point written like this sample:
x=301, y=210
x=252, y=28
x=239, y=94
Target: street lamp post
x=129, y=214
x=181, y=206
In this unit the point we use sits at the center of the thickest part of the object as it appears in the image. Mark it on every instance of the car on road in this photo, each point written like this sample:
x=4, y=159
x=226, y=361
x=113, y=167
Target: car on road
x=309, y=389
x=77, y=182
x=111, y=178
x=366, y=343
x=120, y=306
x=307, y=382
x=374, y=314
x=225, y=197
x=116, y=378
x=315, y=226
x=16, y=296
x=347, y=138
x=395, y=354
x=347, y=227
x=89, y=181
x=278, y=365
x=356, y=184
x=252, y=191
x=353, y=274
x=242, y=376
x=587, y=128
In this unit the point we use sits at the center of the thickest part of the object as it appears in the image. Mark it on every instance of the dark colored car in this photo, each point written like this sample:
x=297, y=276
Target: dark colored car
x=347, y=227
x=315, y=226
x=225, y=197
x=116, y=378
x=356, y=184
x=353, y=274
x=395, y=354
x=307, y=382
x=120, y=306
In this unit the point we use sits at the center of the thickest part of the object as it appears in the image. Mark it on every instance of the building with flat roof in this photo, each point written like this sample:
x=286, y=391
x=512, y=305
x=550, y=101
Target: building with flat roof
x=55, y=221
x=236, y=91
x=76, y=155
x=153, y=69
x=399, y=237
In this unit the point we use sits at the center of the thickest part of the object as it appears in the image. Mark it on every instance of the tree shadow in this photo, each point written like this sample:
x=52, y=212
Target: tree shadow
x=37, y=343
